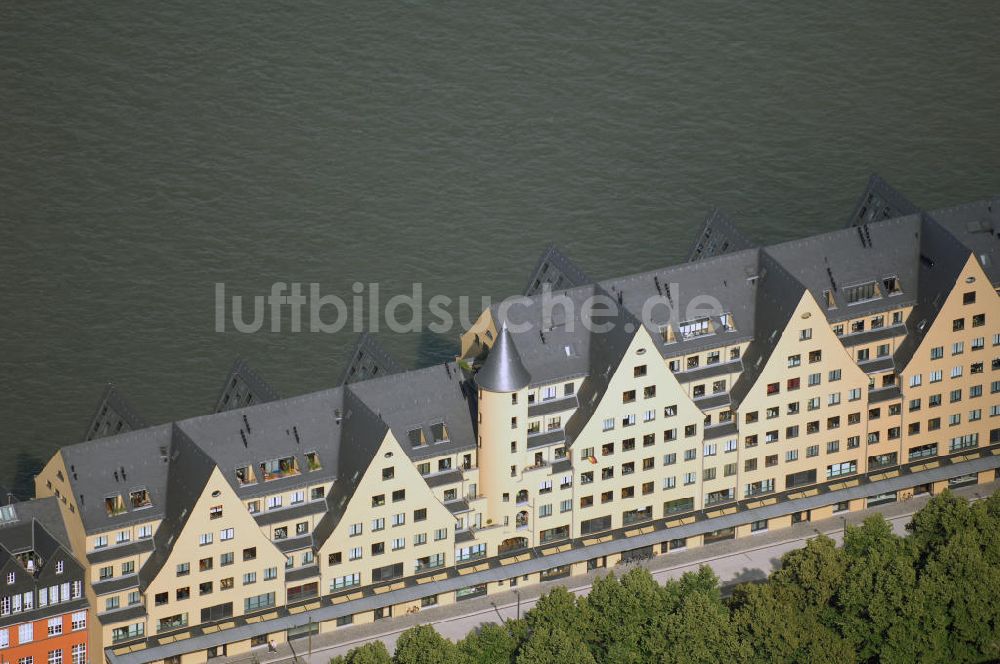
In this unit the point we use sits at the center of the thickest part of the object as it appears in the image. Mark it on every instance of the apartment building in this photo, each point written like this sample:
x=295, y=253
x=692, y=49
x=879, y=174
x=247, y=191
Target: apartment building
x=43, y=611
x=745, y=390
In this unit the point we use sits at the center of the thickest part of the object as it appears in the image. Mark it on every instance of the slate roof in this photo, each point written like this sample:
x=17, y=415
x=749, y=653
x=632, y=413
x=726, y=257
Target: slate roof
x=361, y=434
x=274, y=430
x=977, y=226
x=189, y=471
x=606, y=351
x=556, y=270
x=368, y=360
x=681, y=290
x=777, y=295
x=852, y=256
x=113, y=415
x=717, y=235
x=243, y=387
x=503, y=370
x=43, y=511
x=420, y=399
x=880, y=201
x=115, y=465
x=940, y=261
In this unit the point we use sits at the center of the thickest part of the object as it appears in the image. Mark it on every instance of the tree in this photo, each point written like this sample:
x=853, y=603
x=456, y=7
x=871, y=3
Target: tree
x=879, y=581
x=557, y=610
x=370, y=653
x=701, y=632
x=490, y=644
x=626, y=616
x=553, y=644
x=423, y=645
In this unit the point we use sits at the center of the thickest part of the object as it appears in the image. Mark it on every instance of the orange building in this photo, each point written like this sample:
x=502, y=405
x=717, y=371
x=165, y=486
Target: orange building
x=43, y=610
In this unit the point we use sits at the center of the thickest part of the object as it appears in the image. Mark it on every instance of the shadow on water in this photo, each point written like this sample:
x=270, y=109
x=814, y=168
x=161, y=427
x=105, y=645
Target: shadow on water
x=434, y=348
x=26, y=466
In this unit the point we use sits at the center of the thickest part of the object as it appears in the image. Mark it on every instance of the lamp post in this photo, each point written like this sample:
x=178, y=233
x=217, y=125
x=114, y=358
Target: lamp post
x=518, y=594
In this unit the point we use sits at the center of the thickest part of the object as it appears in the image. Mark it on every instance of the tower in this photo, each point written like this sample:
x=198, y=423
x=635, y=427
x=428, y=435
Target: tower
x=503, y=455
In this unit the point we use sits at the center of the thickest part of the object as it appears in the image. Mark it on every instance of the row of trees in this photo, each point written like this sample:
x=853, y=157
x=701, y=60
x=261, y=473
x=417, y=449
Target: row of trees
x=933, y=596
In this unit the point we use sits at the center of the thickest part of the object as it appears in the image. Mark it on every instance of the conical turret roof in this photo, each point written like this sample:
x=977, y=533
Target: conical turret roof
x=503, y=370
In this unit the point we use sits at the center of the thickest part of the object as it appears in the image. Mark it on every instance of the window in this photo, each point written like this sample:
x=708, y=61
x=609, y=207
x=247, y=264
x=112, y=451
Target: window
x=55, y=627
x=226, y=535
x=78, y=621
x=56, y=656
x=259, y=602
x=378, y=524
x=26, y=633
x=354, y=554
x=347, y=581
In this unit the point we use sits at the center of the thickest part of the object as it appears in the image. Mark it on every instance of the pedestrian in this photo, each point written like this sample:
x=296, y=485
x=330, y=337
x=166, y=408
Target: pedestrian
x=272, y=646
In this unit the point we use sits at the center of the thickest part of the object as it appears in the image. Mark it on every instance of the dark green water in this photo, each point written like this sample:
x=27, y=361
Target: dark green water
x=147, y=152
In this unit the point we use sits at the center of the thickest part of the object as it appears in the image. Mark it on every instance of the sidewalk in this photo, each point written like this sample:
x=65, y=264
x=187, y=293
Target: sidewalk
x=734, y=561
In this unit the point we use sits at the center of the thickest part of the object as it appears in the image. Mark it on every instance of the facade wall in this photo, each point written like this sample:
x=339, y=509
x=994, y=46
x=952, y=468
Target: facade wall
x=364, y=543
x=68, y=646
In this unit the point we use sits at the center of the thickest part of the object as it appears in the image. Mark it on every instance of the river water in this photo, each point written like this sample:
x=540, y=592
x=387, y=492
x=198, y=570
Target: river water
x=151, y=150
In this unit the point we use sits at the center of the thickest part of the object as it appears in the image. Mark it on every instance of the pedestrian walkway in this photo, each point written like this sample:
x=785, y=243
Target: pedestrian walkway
x=735, y=561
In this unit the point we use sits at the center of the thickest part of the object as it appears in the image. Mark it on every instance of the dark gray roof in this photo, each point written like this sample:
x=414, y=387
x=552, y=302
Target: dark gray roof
x=43, y=510
x=361, y=435
x=114, y=552
x=777, y=295
x=243, y=387
x=940, y=261
x=274, y=430
x=680, y=292
x=557, y=271
x=114, y=466
x=606, y=351
x=503, y=370
x=848, y=257
x=718, y=235
x=368, y=360
x=113, y=415
x=880, y=201
x=121, y=615
x=189, y=471
x=553, y=348
x=423, y=399
x=977, y=226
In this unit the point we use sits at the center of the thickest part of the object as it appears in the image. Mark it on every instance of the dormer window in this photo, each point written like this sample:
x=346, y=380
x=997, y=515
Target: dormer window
x=244, y=475
x=862, y=293
x=139, y=499
x=11, y=577
x=60, y=566
x=114, y=505
x=439, y=432
x=892, y=286
x=275, y=469
x=416, y=437
x=696, y=328
x=312, y=461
